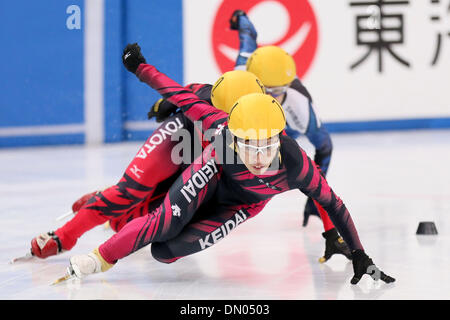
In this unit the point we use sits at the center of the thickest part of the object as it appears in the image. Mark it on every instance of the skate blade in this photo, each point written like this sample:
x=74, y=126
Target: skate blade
x=69, y=274
x=26, y=257
x=65, y=215
x=62, y=279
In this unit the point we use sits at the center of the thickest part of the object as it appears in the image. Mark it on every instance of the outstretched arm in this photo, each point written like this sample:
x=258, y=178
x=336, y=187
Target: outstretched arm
x=190, y=104
x=247, y=37
x=310, y=181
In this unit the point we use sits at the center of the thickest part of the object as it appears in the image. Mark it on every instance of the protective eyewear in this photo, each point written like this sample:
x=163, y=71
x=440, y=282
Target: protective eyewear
x=255, y=150
x=276, y=91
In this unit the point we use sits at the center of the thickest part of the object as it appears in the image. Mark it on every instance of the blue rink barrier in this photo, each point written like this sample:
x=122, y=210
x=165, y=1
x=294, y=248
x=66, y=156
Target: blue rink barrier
x=387, y=125
x=41, y=80
x=142, y=135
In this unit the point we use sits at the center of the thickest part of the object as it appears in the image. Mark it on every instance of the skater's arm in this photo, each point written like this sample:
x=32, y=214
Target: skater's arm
x=308, y=178
x=304, y=120
x=162, y=109
x=190, y=104
x=319, y=137
x=247, y=37
x=194, y=108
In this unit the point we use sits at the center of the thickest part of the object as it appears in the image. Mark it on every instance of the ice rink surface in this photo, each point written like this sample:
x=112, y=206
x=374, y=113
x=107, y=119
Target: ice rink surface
x=389, y=182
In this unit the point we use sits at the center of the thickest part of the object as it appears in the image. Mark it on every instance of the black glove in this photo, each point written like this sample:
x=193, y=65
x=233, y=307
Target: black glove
x=362, y=265
x=132, y=57
x=310, y=209
x=162, y=109
x=334, y=244
x=234, y=20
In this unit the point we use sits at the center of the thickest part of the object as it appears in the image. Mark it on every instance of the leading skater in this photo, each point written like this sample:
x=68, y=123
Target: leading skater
x=277, y=71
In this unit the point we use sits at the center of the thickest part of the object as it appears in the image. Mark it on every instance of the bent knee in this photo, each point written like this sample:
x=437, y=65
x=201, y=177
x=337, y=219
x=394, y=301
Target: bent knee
x=162, y=253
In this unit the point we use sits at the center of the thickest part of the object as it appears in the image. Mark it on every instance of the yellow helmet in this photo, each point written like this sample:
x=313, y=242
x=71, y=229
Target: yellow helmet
x=256, y=116
x=231, y=86
x=272, y=65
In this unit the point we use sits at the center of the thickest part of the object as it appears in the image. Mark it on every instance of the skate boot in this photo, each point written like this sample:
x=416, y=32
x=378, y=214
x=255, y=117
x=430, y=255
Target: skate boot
x=86, y=264
x=46, y=245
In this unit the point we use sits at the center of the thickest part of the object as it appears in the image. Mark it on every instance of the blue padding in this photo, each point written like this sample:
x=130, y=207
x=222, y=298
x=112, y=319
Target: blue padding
x=159, y=31
x=386, y=125
x=114, y=88
x=41, y=76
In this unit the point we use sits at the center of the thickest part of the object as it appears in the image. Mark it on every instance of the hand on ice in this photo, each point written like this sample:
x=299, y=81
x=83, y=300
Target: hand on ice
x=362, y=265
x=334, y=244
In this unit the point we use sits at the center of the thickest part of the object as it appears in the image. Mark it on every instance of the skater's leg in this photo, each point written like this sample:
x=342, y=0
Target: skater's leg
x=198, y=235
x=169, y=218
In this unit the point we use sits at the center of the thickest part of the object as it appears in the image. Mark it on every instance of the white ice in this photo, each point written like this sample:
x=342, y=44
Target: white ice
x=389, y=181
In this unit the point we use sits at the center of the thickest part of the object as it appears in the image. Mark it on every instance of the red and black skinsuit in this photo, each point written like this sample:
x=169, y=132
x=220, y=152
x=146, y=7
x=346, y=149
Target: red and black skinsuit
x=212, y=196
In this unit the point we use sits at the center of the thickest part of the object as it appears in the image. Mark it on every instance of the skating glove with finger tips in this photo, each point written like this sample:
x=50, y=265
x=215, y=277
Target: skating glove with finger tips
x=161, y=110
x=334, y=244
x=362, y=265
x=132, y=57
